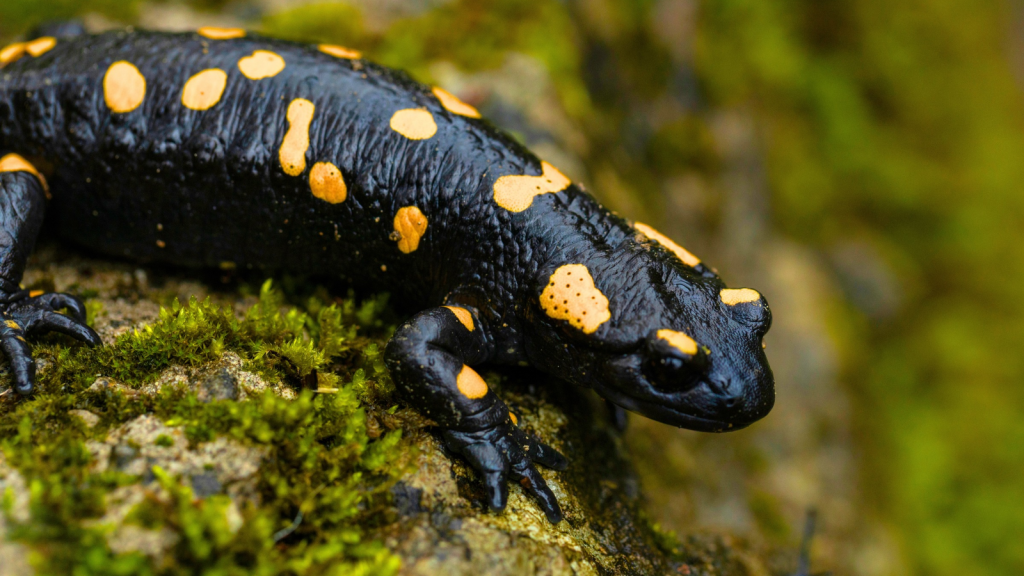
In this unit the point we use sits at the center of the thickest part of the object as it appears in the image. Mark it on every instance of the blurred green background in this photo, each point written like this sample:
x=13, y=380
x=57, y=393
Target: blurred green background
x=859, y=161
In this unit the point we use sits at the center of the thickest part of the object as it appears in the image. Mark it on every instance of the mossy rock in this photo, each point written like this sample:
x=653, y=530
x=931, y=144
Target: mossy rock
x=238, y=434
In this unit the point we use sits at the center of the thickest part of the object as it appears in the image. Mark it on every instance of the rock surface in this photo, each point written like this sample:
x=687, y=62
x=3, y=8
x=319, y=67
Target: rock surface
x=434, y=521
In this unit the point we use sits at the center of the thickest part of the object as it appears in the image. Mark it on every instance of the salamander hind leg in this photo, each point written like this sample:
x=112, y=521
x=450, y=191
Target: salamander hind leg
x=22, y=204
x=430, y=358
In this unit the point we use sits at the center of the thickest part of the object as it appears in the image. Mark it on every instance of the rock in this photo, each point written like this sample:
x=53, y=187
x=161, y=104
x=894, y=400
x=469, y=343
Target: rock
x=12, y=484
x=152, y=543
x=436, y=521
x=109, y=385
x=89, y=418
x=213, y=467
x=13, y=556
x=205, y=484
x=443, y=527
x=221, y=385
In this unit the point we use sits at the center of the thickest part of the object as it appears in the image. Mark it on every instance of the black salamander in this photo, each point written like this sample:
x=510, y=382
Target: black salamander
x=224, y=148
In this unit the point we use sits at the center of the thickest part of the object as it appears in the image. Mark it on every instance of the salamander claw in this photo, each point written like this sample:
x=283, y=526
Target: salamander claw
x=505, y=451
x=21, y=315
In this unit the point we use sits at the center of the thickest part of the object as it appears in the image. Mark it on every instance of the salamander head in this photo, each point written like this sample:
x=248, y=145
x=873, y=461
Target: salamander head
x=660, y=337
x=704, y=368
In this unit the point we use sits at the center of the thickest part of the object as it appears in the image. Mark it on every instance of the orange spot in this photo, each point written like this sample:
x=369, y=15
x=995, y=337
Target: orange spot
x=217, y=33
x=513, y=418
x=734, y=296
x=682, y=253
x=262, y=64
x=296, y=141
x=340, y=51
x=515, y=193
x=35, y=293
x=205, y=89
x=463, y=315
x=161, y=244
x=327, y=183
x=11, y=53
x=124, y=87
x=15, y=163
x=40, y=46
x=679, y=341
x=414, y=123
x=470, y=384
x=410, y=224
x=571, y=295
x=454, y=105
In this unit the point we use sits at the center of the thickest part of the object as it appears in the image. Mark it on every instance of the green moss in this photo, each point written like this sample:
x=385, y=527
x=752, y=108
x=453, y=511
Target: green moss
x=327, y=22
x=321, y=464
x=164, y=440
x=18, y=16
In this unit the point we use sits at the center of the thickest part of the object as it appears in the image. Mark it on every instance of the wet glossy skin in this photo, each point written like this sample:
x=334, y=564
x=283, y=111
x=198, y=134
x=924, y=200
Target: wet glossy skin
x=223, y=147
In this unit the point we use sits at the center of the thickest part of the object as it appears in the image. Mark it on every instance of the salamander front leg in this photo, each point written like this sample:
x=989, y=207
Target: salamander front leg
x=22, y=203
x=429, y=358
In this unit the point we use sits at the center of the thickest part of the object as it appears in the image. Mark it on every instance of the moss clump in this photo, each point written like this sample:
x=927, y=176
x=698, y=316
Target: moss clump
x=321, y=481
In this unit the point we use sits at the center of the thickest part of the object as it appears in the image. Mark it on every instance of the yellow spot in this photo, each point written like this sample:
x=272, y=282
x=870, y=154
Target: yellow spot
x=414, y=123
x=327, y=183
x=296, y=141
x=15, y=163
x=12, y=324
x=41, y=46
x=470, y=383
x=340, y=51
x=161, y=244
x=734, y=296
x=515, y=193
x=682, y=253
x=463, y=315
x=679, y=341
x=262, y=64
x=11, y=53
x=204, y=90
x=512, y=416
x=571, y=295
x=124, y=87
x=216, y=33
x=35, y=293
x=410, y=224
x=228, y=265
x=454, y=105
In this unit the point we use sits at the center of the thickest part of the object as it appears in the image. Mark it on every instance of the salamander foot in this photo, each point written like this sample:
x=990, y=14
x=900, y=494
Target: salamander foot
x=21, y=314
x=505, y=451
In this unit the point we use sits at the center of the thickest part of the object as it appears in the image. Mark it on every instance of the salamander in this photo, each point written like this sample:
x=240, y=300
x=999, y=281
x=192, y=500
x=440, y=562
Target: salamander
x=224, y=148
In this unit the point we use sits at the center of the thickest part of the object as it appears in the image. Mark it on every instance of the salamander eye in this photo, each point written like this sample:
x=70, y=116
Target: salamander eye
x=674, y=362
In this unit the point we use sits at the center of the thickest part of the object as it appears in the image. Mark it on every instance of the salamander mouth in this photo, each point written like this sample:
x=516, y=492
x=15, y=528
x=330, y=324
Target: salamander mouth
x=667, y=414
x=662, y=407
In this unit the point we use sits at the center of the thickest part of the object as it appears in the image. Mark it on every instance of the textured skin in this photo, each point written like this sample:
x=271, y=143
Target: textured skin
x=201, y=188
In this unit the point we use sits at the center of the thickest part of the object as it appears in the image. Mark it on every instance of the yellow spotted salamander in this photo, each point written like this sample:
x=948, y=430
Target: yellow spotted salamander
x=220, y=146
